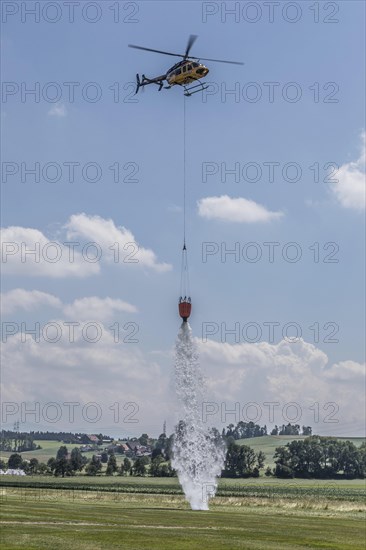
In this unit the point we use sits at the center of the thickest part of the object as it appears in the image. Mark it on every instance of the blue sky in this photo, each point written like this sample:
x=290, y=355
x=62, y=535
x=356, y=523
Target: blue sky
x=147, y=131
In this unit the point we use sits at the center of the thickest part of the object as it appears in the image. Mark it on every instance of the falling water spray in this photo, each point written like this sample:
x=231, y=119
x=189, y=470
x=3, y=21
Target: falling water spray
x=198, y=452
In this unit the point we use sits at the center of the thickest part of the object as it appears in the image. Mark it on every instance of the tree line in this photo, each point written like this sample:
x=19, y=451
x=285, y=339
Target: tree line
x=13, y=440
x=320, y=457
x=18, y=442
x=247, y=430
x=313, y=457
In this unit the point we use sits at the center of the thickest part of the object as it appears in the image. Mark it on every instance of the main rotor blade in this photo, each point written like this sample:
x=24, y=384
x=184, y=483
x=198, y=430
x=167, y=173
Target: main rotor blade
x=156, y=51
x=218, y=60
x=191, y=40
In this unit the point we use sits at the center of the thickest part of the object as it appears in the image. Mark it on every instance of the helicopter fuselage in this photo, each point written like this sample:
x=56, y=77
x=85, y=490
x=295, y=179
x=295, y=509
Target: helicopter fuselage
x=186, y=72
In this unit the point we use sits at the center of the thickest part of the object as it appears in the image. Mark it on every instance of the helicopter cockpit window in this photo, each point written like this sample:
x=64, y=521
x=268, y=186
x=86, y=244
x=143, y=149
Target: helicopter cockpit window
x=177, y=72
x=189, y=67
x=184, y=68
x=195, y=64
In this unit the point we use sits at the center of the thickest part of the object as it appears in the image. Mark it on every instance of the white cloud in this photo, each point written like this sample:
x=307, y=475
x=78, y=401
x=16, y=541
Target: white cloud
x=58, y=110
x=27, y=300
x=238, y=210
x=350, y=188
x=105, y=372
x=49, y=258
x=346, y=370
x=102, y=241
x=82, y=309
x=101, y=309
x=113, y=240
x=284, y=373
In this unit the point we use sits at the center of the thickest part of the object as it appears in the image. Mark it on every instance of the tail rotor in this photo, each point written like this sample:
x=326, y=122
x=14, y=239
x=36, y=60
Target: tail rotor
x=138, y=83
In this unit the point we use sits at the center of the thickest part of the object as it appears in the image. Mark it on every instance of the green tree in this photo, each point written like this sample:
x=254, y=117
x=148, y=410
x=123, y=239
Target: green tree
x=112, y=465
x=156, y=453
x=144, y=439
x=139, y=467
x=160, y=445
x=155, y=468
x=33, y=466
x=307, y=430
x=94, y=466
x=62, y=452
x=320, y=457
x=77, y=460
x=167, y=470
x=168, y=451
x=125, y=467
x=62, y=467
x=241, y=461
x=42, y=468
x=289, y=429
x=51, y=464
x=15, y=461
x=261, y=457
x=283, y=460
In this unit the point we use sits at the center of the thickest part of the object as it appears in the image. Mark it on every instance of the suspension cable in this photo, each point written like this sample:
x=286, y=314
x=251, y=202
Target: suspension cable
x=184, y=170
x=184, y=281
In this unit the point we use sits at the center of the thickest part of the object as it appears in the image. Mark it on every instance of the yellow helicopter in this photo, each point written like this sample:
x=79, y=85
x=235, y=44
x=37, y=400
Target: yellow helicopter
x=183, y=73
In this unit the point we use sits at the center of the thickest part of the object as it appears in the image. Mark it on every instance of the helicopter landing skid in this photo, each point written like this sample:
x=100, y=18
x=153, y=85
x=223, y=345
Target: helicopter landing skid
x=194, y=89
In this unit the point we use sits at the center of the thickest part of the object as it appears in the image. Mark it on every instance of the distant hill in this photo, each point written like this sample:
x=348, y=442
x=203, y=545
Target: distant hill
x=268, y=443
x=48, y=450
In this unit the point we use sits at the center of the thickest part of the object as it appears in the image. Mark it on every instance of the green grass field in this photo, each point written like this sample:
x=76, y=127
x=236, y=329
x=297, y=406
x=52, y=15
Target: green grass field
x=44, y=519
x=266, y=488
x=138, y=513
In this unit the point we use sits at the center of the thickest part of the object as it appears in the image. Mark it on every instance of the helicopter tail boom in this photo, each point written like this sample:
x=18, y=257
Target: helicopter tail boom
x=143, y=81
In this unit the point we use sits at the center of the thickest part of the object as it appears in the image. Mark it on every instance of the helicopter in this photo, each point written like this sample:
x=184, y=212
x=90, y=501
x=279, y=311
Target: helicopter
x=183, y=73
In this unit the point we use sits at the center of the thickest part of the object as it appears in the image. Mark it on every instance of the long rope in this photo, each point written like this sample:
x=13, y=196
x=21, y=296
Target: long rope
x=184, y=282
x=184, y=169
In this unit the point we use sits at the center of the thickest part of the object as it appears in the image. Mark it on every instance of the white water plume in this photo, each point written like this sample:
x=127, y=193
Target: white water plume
x=198, y=451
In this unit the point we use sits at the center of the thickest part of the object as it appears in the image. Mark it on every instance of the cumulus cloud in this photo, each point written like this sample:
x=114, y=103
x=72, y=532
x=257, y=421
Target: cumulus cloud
x=28, y=300
x=346, y=371
x=237, y=210
x=102, y=309
x=118, y=243
x=329, y=396
x=349, y=189
x=111, y=375
x=87, y=308
x=28, y=251
x=58, y=110
x=89, y=241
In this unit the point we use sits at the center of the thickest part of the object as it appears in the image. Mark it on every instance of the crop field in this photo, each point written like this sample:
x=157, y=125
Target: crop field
x=266, y=488
x=137, y=513
x=62, y=519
